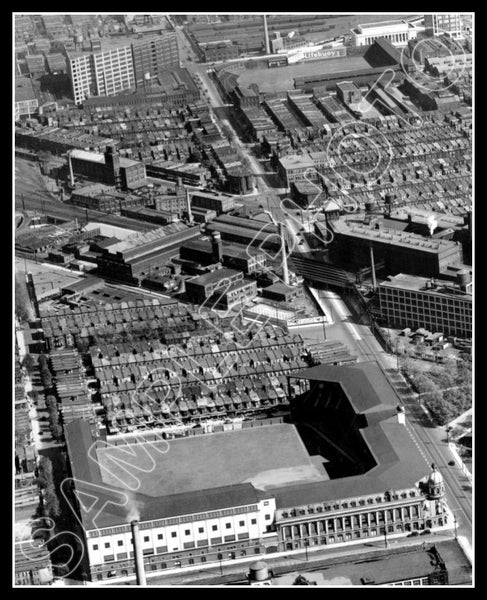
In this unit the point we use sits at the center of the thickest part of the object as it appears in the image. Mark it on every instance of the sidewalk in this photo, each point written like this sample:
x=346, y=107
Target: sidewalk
x=321, y=304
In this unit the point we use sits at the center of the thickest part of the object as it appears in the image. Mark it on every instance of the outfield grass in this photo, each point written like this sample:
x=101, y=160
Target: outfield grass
x=280, y=79
x=266, y=456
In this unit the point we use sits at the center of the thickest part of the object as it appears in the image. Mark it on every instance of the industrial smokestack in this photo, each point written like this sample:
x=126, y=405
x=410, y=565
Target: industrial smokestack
x=188, y=208
x=139, y=556
x=432, y=224
x=372, y=267
x=216, y=246
x=71, y=174
x=266, y=35
x=285, y=272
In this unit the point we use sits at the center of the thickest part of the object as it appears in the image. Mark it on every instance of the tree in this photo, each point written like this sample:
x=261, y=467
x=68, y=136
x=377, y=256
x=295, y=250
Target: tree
x=46, y=379
x=28, y=362
x=52, y=408
x=42, y=362
x=46, y=483
x=23, y=307
x=45, y=478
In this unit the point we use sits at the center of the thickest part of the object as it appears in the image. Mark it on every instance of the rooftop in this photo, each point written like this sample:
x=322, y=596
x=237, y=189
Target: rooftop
x=138, y=239
x=100, y=158
x=387, y=566
x=24, y=90
x=411, y=282
x=391, y=236
x=214, y=276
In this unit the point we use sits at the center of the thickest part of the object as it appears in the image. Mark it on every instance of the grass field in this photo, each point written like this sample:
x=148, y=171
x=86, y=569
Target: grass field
x=265, y=456
x=282, y=78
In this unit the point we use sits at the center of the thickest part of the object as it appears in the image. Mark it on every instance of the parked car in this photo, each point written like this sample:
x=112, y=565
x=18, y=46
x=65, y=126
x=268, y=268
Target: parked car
x=425, y=532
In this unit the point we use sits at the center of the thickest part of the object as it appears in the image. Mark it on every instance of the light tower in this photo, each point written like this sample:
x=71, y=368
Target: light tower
x=266, y=36
x=280, y=231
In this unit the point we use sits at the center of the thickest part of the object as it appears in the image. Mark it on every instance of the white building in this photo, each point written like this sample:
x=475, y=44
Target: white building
x=445, y=24
x=203, y=532
x=399, y=32
x=102, y=73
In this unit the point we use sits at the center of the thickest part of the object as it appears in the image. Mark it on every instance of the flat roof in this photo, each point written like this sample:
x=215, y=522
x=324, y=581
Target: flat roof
x=295, y=160
x=217, y=275
x=100, y=158
x=387, y=566
x=24, y=90
x=399, y=464
x=412, y=282
x=391, y=236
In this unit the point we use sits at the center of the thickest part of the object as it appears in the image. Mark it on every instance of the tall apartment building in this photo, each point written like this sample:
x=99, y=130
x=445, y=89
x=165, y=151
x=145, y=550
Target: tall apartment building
x=446, y=23
x=154, y=54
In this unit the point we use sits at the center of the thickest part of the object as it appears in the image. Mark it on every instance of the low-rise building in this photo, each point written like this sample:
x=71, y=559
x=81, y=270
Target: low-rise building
x=296, y=168
x=199, y=289
x=399, y=32
x=282, y=292
x=26, y=102
x=32, y=564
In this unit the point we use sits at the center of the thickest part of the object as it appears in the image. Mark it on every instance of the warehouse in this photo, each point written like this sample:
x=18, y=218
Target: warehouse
x=401, y=251
x=137, y=254
x=109, y=168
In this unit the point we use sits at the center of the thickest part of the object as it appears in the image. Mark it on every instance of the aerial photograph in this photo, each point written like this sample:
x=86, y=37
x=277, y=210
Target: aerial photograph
x=242, y=300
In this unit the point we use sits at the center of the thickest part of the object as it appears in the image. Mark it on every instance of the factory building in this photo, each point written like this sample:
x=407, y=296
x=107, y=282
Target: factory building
x=232, y=256
x=154, y=54
x=108, y=168
x=101, y=72
x=373, y=485
x=438, y=306
x=219, y=283
x=401, y=251
x=137, y=255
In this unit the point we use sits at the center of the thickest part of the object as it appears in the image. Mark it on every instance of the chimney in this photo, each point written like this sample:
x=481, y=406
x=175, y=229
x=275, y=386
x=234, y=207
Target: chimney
x=372, y=267
x=139, y=557
x=216, y=246
x=285, y=272
x=188, y=208
x=266, y=35
x=71, y=174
